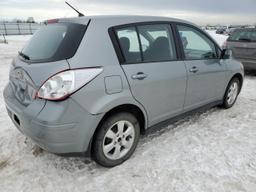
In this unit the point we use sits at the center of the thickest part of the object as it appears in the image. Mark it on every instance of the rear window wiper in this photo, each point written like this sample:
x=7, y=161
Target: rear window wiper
x=24, y=55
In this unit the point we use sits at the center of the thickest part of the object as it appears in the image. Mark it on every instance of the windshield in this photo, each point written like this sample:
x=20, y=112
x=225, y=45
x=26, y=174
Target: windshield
x=54, y=42
x=243, y=35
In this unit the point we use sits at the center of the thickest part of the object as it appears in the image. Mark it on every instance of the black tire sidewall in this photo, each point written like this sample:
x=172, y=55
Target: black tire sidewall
x=226, y=105
x=98, y=153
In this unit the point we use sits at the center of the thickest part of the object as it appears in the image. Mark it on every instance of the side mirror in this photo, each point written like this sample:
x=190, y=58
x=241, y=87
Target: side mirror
x=225, y=54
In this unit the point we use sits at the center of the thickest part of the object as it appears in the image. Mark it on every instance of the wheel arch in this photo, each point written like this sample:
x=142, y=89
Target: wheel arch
x=131, y=108
x=241, y=79
x=139, y=113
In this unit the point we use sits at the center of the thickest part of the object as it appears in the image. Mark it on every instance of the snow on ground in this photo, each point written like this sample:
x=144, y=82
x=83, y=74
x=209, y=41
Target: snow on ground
x=220, y=39
x=214, y=151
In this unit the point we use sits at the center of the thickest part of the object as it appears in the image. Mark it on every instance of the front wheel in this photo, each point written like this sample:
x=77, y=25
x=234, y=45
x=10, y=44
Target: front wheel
x=232, y=92
x=116, y=139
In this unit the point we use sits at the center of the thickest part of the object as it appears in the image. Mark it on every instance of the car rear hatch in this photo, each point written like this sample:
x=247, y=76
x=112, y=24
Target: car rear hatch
x=43, y=56
x=243, y=44
x=26, y=79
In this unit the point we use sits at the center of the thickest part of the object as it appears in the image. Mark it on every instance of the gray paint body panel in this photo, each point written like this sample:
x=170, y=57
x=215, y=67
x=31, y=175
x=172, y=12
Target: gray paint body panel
x=40, y=72
x=162, y=92
x=68, y=126
x=206, y=85
x=113, y=84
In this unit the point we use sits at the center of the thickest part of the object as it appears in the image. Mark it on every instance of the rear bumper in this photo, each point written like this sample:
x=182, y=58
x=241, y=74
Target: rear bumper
x=58, y=127
x=248, y=64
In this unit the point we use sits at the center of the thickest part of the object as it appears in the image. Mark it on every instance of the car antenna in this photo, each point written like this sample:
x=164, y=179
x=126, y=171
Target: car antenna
x=79, y=13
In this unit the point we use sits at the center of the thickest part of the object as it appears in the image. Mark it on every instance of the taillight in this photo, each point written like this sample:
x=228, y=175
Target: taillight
x=52, y=21
x=63, y=84
x=224, y=45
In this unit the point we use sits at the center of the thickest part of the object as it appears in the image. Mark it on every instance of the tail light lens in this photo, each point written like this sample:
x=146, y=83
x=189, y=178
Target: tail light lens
x=63, y=84
x=224, y=45
x=52, y=21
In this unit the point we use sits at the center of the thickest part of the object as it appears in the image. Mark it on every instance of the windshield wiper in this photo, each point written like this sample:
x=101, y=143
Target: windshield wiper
x=24, y=55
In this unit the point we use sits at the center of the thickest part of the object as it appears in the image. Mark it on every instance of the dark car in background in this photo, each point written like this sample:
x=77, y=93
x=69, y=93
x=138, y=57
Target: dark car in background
x=221, y=31
x=242, y=42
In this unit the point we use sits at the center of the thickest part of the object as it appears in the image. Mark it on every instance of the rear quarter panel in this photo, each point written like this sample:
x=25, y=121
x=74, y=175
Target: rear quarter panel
x=96, y=49
x=233, y=67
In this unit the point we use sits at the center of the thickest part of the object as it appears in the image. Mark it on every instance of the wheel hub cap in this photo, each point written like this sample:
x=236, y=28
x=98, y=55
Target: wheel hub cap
x=232, y=93
x=118, y=140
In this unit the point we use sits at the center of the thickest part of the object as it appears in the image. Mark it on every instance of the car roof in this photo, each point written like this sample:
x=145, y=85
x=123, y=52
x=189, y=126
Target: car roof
x=122, y=19
x=107, y=21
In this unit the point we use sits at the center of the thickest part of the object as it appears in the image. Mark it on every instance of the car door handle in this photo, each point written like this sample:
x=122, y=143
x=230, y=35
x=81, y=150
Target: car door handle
x=193, y=69
x=139, y=76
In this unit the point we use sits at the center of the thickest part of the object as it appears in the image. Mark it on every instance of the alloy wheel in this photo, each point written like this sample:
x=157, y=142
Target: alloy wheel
x=118, y=140
x=232, y=93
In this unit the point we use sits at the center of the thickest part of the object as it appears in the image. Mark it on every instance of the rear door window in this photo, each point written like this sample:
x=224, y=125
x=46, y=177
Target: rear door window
x=129, y=43
x=54, y=42
x=159, y=44
x=147, y=43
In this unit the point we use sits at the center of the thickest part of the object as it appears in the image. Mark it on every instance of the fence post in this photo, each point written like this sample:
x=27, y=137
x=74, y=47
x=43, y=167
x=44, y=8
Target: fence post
x=5, y=30
x=30, y=28
x=19, y=28
x=5, y=40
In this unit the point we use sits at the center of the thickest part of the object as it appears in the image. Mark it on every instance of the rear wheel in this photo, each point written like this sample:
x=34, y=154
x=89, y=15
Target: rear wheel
x=232, y=92
x=116, y=139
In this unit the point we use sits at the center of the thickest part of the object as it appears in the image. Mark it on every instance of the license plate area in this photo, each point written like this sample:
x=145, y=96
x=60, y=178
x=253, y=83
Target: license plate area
x=14, y=117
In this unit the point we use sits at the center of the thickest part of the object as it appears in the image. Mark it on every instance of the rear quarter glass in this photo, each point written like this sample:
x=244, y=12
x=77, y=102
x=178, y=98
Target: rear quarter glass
x=54, y=42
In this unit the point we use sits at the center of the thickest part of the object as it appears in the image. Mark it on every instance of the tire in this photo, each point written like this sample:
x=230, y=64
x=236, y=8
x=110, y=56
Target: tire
x=116, y=139
x=229, y=97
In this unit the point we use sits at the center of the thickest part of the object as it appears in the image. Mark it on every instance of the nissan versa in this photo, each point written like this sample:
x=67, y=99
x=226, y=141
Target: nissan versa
x=92, y=85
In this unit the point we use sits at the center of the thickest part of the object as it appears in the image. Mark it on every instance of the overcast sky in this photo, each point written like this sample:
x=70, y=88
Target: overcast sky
x=198, y=11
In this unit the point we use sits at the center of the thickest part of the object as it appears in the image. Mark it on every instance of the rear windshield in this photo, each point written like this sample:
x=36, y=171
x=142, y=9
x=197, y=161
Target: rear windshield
x=54, y=42
x=243, y=35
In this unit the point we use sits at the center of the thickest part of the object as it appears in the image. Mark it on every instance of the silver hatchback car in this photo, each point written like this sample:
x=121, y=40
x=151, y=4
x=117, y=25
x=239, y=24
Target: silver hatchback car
x=93, y=84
